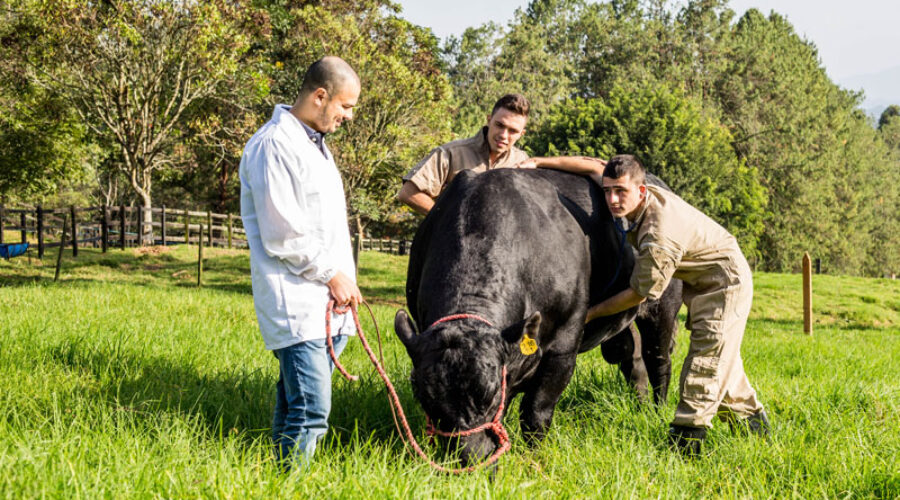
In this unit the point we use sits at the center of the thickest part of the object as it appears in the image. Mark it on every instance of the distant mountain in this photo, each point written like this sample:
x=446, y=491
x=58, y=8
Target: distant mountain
x=881, y=89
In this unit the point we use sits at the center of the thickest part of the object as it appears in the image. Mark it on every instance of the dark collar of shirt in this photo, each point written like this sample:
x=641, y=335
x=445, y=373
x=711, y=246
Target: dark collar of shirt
x=317, y=137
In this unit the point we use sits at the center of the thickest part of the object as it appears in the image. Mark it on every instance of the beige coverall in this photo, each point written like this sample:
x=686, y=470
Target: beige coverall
x=437, y=169
x=675, y=239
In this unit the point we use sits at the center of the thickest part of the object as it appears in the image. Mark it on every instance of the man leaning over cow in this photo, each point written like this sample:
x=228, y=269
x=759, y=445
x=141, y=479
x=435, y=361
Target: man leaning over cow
x=674, y=239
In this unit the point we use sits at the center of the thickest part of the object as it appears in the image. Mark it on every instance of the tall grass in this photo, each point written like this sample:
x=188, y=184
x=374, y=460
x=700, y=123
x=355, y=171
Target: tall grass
x=125, y=380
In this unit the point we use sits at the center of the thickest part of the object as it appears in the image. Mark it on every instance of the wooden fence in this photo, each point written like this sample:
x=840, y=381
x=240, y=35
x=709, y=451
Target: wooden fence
x=399, y=247
x=118, y=227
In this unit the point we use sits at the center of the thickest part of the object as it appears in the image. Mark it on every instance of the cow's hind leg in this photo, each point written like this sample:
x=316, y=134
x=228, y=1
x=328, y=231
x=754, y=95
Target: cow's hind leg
x=545, y=388
x=658, y=326
x=624, y=349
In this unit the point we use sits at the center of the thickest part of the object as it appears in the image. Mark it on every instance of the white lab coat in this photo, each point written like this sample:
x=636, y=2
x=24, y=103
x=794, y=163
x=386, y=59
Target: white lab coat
x=295, y=216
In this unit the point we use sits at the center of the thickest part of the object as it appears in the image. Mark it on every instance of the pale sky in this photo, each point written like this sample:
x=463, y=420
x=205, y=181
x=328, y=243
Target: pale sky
x=855, y=38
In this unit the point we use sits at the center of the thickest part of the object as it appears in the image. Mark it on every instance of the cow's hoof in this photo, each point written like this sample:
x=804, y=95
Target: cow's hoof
x=686, y=440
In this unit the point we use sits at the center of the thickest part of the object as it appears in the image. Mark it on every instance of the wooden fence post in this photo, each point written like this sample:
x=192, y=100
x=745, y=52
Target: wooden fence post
x=140, y=227
x=209, y=222
x=807, y=295
x=122, y=226
x=187, y=226
x=74, y=232
x=62, y=246
x=104, y=228
x=200, y=258
x=40, y=231
x=22, y=221
x=162, y=220
x=230, y=229
x=1, y=224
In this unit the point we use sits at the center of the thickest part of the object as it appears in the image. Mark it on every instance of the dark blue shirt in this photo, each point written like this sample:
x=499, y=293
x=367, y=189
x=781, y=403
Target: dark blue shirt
x=317, y=137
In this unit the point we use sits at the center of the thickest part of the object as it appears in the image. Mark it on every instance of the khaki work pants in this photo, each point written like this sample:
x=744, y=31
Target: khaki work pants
x=712, y=378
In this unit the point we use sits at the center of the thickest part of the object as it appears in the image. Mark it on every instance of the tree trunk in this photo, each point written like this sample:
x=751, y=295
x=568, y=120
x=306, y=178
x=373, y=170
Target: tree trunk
x=146, y=231
x=142, y=189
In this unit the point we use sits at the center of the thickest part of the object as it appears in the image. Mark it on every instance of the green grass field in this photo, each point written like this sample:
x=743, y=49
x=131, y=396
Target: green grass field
x=125, y=380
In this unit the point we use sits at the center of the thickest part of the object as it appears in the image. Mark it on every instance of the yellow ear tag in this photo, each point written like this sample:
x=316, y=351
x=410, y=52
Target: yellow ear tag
x=528, y=346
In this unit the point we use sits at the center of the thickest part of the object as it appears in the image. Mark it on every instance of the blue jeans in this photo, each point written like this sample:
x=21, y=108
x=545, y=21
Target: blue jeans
x=304, y=398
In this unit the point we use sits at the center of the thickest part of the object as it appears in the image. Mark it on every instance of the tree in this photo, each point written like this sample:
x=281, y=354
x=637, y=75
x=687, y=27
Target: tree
x=41, y=139
x=885, y=247
x=403, y=109
x=888, y=115
x=134, y=70
x=803, y=133
x=533, y=56
x=671, y=137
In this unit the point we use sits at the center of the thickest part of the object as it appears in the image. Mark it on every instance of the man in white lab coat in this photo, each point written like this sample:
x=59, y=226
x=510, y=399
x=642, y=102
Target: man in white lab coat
x=295, y=216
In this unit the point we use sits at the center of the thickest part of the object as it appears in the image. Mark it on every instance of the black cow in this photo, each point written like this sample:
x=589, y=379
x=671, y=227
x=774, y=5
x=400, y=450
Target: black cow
x=526, y=251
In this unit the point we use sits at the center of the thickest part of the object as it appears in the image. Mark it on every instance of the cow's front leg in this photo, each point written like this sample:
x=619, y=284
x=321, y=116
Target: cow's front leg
x=539, y=400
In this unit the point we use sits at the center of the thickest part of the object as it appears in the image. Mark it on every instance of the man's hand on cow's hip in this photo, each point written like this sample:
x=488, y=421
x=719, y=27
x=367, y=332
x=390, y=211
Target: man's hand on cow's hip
x=344, y=290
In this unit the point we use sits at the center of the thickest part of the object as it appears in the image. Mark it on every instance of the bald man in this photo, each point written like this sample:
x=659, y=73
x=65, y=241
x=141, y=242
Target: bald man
x=295, y=216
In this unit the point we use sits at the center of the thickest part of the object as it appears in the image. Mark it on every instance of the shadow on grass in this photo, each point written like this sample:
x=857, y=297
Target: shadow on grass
x=236, y=402
x=764, y=324
x=229, y=273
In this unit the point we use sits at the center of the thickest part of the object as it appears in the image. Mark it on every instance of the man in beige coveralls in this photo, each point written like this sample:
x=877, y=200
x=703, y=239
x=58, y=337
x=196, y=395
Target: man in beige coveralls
x=492, y=147
x=673, y=238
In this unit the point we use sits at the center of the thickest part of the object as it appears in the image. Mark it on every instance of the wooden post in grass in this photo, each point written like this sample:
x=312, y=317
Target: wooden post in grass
x=104, y=228
x=122, y=226
x=209, y=223
x=162, y=218
x=1, y=224
x=200, y=258
x=807, y=295
x=230, y=229
x=40, y=231
x=62, y=246
x=187, y=226
x=22, y=221
x=74, y=232
x=139, y=239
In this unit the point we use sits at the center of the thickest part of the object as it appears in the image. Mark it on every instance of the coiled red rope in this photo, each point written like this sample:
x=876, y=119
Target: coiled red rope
x=495, y=425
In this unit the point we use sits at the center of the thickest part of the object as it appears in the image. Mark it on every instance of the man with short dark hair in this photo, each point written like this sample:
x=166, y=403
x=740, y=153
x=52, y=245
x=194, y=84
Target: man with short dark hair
x=492, y=147
x=674, y=239
x=295, y=216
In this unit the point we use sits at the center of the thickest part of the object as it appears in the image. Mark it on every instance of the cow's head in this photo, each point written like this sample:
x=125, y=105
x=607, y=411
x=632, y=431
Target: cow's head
x=457, y=375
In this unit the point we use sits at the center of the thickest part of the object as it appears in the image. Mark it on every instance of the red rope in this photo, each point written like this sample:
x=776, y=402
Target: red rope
x=496, y=425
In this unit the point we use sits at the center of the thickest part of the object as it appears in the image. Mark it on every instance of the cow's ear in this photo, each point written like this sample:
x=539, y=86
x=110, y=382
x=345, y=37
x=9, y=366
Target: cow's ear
x=527, y=342
x=532, y=326
x=406, y=331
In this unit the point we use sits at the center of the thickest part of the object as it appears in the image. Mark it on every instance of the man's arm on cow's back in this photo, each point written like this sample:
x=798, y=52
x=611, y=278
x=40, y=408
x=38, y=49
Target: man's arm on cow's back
x=582, y=165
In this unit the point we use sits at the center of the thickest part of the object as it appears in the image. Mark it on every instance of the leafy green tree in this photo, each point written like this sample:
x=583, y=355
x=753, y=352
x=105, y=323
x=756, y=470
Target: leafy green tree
x=134, y=71
x=41, y=139
x=672, y=138
x=888, y=115
x=534, y=56
x=803, y=133
x=885, y=249
x=403, y=110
